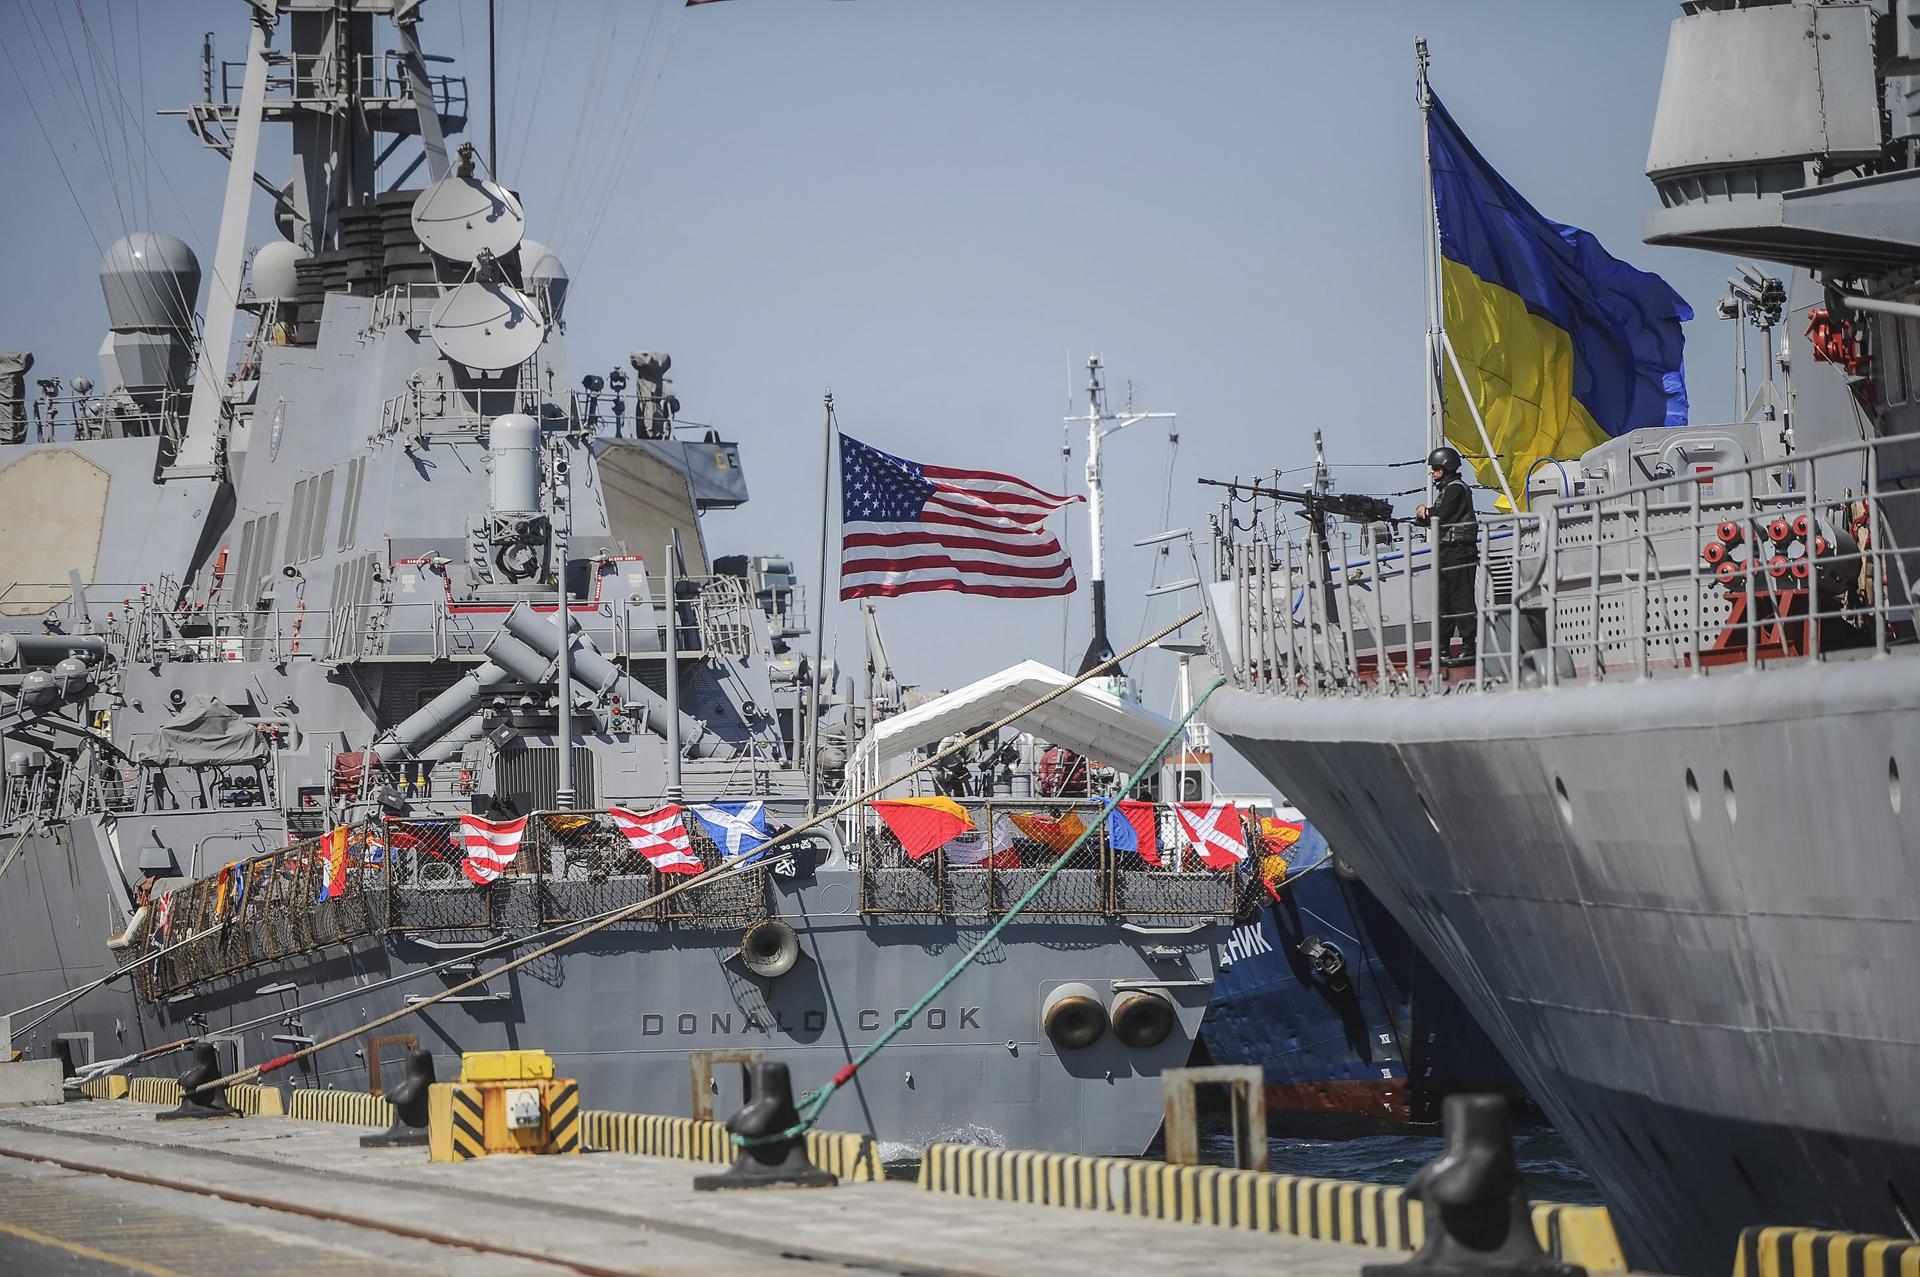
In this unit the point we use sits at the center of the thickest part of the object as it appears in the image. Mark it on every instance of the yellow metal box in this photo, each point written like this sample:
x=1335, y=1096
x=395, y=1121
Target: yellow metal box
x=473, y=1119
x=505, y=1066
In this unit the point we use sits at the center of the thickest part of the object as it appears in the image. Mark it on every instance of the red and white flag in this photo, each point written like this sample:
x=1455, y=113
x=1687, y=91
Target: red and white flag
x=1216, y=832
x=163, y=915
x=660, y=836
x=491, y=847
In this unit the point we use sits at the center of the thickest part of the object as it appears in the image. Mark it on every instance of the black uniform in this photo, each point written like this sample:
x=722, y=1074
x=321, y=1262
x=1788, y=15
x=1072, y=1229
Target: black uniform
x=1459, y=554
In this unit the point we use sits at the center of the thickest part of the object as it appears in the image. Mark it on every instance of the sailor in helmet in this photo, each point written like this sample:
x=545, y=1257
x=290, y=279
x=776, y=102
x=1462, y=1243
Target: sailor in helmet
x=1459, y=553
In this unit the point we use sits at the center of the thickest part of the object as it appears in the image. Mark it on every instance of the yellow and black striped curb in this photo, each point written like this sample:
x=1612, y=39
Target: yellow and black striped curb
x=456, y=1122
x=153, y=1090
x=563, y=1116
x=356, y=1108
x=1812, y=1252
x=654, y=1135
x=847, y=1154
x=256, y=1100
x=111, y=1087
x=1580, y=1235
x=1261, y=1201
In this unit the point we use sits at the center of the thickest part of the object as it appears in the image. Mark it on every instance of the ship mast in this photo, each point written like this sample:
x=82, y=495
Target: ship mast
x=1100, y=424
x=337, y=94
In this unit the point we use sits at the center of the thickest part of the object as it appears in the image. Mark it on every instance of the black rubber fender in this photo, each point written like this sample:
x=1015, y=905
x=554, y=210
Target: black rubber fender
x=1073, y=1016
x=1143, y=1018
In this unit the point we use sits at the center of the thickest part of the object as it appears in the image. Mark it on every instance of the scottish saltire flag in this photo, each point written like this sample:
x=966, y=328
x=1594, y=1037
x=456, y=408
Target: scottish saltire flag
x=908, y=527
x=1563, y=344
x=739, y=829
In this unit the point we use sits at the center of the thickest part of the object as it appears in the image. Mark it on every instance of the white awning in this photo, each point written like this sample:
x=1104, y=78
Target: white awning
x=1086, y=720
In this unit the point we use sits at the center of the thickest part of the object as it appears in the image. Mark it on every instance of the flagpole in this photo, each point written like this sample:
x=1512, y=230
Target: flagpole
x=1436, y=314
x=820, y=612
x=1480, y=424
x=562, y=511
x=675, y=783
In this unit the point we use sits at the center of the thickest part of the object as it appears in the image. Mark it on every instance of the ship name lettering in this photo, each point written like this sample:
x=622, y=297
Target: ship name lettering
x=1244, y=943
x=766, y=1021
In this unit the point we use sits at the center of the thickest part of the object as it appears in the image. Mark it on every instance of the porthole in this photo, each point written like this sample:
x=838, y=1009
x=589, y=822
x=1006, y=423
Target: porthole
x=1566, y=803
x=1733, y=805
x=1428, y=813
x=1693, y=795
x=1893, y=784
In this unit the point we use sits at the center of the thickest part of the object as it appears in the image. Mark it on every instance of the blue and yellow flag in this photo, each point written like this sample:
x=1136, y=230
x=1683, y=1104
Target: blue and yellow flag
x=1563, y=344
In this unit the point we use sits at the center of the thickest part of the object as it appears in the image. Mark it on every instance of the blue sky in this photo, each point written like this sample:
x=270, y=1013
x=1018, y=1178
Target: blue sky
x=939, y=210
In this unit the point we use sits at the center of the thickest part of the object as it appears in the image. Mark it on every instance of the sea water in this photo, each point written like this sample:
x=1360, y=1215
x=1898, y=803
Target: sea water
x=1551, y=1172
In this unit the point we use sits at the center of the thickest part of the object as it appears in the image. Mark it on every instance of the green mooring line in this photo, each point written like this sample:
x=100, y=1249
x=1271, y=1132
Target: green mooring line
x=815, y=1102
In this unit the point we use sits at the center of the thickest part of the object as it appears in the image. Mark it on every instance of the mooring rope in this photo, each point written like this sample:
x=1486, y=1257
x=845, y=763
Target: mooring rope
x=815, y=1102
x=721, y=872
x=67, y=997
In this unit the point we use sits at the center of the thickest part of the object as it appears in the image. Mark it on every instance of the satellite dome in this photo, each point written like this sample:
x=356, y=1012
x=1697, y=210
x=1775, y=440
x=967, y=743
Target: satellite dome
x=151, y=280
x=273, y=275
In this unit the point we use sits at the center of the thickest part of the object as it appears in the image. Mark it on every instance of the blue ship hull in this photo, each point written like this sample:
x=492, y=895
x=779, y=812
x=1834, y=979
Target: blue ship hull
x=1380, y=1038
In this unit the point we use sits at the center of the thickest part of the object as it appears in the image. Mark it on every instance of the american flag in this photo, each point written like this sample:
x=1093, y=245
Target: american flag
x=908, y=527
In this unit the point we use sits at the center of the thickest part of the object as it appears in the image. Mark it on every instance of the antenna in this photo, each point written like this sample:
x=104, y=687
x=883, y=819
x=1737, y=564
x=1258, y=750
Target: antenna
x=1100, y=423
x=462, y=216
x=486, y=323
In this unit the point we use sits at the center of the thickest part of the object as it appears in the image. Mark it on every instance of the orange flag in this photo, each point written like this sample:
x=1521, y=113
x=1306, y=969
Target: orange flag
x=1056, y=835
x=333, y=864
x=923, y=824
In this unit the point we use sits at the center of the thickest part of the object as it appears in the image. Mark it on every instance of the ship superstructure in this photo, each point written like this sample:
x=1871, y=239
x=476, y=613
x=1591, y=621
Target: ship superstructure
x=267, y=632
x=1657, y=835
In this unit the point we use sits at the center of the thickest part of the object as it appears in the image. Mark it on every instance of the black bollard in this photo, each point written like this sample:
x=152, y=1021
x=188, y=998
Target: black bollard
x=193, y=1101
x=1475, y=1202
x=775, y=1163
x=408, y=1095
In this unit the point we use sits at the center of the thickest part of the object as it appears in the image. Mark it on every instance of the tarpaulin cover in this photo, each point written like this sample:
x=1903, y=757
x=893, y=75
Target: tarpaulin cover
x=1085, y=720
x=205, y=731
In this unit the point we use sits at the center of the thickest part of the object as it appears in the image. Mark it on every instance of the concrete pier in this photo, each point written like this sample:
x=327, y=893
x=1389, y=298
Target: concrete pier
x=100, y=1188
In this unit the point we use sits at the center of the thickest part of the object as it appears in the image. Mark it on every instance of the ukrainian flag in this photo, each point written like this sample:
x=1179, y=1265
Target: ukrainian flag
x=1562, y=344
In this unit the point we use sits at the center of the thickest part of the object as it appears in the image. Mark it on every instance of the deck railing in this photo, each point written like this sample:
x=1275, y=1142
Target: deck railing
x=1015, y=841
x=1778, y=562
x=406, y=876
x=267, y=907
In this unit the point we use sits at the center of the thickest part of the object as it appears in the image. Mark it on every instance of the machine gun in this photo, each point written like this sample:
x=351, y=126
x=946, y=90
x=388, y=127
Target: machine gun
x=1319, y=506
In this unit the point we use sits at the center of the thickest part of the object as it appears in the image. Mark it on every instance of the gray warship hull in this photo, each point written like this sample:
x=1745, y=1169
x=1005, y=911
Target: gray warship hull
x=1700, y=963
x=621, y=1010
x=394, y=566
x=1655, y=832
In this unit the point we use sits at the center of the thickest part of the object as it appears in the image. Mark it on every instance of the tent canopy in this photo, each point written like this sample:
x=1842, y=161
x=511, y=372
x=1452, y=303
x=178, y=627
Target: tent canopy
x=1085, y=720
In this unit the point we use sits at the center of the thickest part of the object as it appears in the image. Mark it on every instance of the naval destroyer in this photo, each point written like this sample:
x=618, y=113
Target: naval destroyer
x=1656, y=835
x=275, y=632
